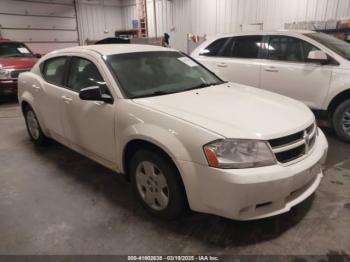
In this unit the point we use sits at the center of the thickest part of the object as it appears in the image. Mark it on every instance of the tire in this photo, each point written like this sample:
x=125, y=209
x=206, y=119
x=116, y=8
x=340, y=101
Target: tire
x=33, y=127
x=341, y=121
x=157, y=184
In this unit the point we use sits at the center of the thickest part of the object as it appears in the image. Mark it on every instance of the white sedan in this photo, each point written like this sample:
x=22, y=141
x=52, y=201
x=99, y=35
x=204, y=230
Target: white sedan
x=178, y=132
x=305, y=65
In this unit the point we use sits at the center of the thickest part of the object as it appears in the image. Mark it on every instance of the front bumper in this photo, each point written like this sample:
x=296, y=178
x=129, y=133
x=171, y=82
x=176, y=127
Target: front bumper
x=8, y=87
x=245, y=194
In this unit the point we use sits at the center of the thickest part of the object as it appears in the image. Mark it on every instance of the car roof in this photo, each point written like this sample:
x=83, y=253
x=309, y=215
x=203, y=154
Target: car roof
x=291, y=32
x=111, y=49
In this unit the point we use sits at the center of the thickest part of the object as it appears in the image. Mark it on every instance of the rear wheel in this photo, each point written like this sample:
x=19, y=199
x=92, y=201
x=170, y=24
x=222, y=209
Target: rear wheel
x=157, y=184
x=33, y=127
x=341, y=121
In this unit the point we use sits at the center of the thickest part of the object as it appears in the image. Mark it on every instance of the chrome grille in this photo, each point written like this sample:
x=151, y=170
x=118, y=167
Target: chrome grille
x=292, y=147
x=15, y=73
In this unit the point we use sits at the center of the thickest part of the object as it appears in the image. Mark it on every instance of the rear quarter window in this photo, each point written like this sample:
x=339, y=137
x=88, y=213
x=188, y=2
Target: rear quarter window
x=53, y=70
x=214, y=48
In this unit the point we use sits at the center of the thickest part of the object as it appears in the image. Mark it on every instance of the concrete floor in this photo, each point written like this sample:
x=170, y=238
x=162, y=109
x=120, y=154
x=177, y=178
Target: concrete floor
x=55, y=201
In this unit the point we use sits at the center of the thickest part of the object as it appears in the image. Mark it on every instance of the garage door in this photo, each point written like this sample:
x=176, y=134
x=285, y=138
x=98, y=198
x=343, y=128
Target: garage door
x=43, y=25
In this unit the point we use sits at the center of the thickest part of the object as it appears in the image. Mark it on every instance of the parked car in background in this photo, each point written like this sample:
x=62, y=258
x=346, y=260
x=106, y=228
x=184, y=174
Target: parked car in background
x=181, y=134
x=308, y=66
x=113, y=40
x=15, y=58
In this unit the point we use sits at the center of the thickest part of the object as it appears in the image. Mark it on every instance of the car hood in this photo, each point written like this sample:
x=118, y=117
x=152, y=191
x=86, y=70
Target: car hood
x=18, y=62
x=235, y=111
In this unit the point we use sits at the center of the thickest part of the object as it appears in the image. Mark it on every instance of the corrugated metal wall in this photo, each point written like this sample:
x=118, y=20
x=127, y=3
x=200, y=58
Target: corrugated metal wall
x=129, y=13
x=42, y=25
x=164, y=17
x=224, y=16
x=98, y=19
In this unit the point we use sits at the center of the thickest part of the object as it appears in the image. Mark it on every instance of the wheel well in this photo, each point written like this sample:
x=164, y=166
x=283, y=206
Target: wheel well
x=24, y=106
x=337, y=100
x=134, y=145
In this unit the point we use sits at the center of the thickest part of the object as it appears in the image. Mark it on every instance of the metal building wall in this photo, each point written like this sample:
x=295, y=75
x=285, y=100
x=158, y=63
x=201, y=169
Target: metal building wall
x=163, y=7
x=42, y=25
x=164, y=17
x=129, y=13
x=98, y=19
x=51, y=24
x=179, y=17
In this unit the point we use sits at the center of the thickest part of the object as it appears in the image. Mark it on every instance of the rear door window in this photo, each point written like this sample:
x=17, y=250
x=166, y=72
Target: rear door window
x=246, y=46
x=226, y=51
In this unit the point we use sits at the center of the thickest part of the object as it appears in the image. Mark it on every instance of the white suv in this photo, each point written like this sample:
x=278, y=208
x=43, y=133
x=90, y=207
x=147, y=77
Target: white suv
x=177, y=131
x=311, y=67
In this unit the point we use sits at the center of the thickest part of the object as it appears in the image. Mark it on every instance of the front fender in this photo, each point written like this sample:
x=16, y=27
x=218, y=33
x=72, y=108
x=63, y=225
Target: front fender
x=170, y=143
x=340, y=82
x=167, y=140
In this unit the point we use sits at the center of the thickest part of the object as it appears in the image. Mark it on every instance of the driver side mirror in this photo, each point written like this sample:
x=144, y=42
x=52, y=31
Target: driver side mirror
x=318, y=56
x=93, y=93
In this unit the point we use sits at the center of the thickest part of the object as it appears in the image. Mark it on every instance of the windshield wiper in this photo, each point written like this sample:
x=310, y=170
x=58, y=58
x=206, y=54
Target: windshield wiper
x=160, y=93
x=203, y=85
x=156, y=93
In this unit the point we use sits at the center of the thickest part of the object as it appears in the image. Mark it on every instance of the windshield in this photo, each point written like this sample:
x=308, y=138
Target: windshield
x=341, y=47
x=14, y=50
x=145, y=74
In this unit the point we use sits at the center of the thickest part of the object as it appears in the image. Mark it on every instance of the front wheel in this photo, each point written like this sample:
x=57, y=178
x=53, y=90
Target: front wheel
x=341, y=121
x=157, y=184
x=33, y=127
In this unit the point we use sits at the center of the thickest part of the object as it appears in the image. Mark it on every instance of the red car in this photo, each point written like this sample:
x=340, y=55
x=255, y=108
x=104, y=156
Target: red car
x=15, y=58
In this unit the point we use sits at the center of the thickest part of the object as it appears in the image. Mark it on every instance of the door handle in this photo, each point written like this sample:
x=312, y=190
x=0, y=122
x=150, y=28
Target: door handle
x=271, y=69
x=99, y=103
x=67, y=100
x=223, y=65
x=37, y=88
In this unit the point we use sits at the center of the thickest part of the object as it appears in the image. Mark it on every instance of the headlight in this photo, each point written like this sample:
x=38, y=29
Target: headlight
x=238, y=153
x=5, y=74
